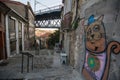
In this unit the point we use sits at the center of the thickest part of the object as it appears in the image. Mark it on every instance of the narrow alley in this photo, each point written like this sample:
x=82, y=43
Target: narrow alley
x=59, y=39
x=47, y=66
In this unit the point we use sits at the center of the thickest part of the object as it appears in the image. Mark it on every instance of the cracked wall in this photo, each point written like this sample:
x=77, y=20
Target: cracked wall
x=83, y=9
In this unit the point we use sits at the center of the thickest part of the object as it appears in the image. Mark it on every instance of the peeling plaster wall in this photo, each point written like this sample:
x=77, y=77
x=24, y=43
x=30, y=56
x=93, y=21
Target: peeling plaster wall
x=108, y=12
x=111, y=11
x=77, y=46
x=72, y=48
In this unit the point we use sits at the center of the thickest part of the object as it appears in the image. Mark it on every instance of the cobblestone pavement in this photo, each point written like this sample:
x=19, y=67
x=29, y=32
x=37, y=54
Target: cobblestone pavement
x=47, y=66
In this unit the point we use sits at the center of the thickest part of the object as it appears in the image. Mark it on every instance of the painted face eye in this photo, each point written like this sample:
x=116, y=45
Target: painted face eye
x=96, y=28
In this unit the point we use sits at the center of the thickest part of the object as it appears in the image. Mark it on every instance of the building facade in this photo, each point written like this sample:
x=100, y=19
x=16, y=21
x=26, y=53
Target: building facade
x=90, y=34
x=3, y=10
x=31, y=26
x=16, y=27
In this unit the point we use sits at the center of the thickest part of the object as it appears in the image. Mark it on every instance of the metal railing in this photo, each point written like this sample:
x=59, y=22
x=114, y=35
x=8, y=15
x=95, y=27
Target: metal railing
x=49, y=9
x=26, y=53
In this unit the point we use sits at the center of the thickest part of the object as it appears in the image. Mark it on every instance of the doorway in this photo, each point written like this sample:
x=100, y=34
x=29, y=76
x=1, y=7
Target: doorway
x=1, y=46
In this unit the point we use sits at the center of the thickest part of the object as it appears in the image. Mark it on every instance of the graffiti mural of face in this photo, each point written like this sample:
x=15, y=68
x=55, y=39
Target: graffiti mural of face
x=97, y=55
x=95, y=48
x=95, y=36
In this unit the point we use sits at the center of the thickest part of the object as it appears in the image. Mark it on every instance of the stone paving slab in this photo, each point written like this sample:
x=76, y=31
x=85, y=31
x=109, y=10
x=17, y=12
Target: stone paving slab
x=53, y=69
x=10, y=75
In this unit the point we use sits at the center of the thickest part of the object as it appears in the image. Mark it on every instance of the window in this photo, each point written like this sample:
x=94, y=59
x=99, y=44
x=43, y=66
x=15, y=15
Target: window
x=20, y=29
x=12, y=28
x=20, y=26
x=11, y=25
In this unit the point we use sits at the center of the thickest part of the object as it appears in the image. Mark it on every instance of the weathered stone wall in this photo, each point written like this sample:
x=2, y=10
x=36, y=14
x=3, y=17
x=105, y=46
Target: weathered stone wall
x=31, y=29
x=108, y=11
x=77, y=46
x=72, y=48
x=94, y=45
x=90, y=13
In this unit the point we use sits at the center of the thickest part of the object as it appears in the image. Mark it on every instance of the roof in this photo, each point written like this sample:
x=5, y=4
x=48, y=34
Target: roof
x=10, y=11
x=13, y=2
x=3, y=7
x=18, y=7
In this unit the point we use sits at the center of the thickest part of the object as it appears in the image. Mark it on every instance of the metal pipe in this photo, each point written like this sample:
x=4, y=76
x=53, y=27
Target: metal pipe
x=22, y=63
x=27, y=63
x=32, y=62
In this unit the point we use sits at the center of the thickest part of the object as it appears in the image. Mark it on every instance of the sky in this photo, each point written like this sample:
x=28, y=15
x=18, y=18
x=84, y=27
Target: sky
x=41, y=4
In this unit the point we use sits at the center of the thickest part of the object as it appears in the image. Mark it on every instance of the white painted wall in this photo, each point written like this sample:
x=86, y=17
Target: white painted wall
x=17, y=36
x=23, y=47
x=7, y=37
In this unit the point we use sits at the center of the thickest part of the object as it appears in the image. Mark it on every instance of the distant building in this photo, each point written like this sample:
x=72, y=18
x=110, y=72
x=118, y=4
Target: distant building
x=65, y=34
